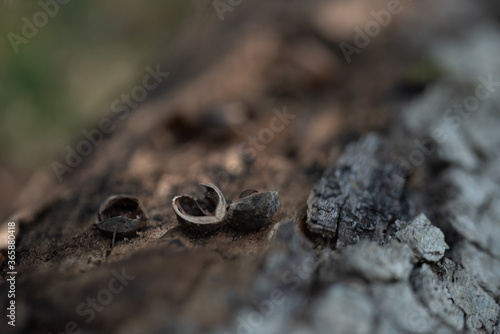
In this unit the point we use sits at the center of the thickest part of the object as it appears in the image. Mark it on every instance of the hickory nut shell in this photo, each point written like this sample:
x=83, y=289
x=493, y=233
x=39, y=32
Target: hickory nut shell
x=121, y=213
x=253, y=211
x=201, y=216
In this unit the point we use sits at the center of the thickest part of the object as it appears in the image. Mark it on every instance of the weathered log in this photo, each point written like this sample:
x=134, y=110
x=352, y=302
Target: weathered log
x=408, y=250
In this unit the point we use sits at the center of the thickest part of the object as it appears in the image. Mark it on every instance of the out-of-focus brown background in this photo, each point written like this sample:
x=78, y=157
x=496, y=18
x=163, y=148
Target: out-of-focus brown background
x=65, y=78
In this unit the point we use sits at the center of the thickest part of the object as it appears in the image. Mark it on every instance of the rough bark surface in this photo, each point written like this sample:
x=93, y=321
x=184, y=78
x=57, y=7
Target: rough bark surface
x=359, y=197
x=400, y=233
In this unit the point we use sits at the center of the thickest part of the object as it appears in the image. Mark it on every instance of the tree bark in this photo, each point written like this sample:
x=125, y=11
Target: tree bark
x=389, y=210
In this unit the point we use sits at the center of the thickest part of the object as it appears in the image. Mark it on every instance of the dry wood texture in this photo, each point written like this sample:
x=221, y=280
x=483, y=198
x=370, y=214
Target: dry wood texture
x=401, y=232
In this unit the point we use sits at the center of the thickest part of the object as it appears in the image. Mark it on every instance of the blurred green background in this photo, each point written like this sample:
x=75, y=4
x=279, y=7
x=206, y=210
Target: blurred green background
x=65, y=78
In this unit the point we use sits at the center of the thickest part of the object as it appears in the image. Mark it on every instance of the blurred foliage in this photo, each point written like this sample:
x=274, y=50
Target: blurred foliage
x=65, y=78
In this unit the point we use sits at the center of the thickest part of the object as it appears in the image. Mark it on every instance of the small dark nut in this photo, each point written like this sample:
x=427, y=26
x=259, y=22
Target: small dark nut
x=124, y=226
x=254, y=211
x=121, y=213
x=201, y=216
x=121, y=205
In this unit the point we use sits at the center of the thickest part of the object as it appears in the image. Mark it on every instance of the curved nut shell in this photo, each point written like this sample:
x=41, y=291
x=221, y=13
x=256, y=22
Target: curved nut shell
x=123, y=213
x=200, y=216
x=121, y=205
x=253, y=212
x=124, y=226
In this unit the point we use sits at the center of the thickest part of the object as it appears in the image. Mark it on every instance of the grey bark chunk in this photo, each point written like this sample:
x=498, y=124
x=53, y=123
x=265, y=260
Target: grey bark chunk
x=280, y=291
x=378, y=263
x=346, y=308
x=475, y=209
x=426, y=240
x=400, y=308
x=359, y=196
x=481, y=266
x=481, y=311
x=432, y=292
x=289, y=264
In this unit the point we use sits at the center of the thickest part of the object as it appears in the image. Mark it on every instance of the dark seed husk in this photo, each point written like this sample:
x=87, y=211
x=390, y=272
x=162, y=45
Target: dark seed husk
x=123, y=213
x=253, y=212
x=121, y=205
x=124, y=226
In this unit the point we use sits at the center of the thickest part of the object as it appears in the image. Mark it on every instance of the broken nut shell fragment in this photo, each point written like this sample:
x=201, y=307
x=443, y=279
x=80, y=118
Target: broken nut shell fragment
x=201, y=216
x=124, y=226
x=121, y=213
x=254, y=211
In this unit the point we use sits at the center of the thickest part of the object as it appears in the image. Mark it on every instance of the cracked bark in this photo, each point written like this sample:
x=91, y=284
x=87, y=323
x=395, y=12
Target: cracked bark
x=358, y=197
